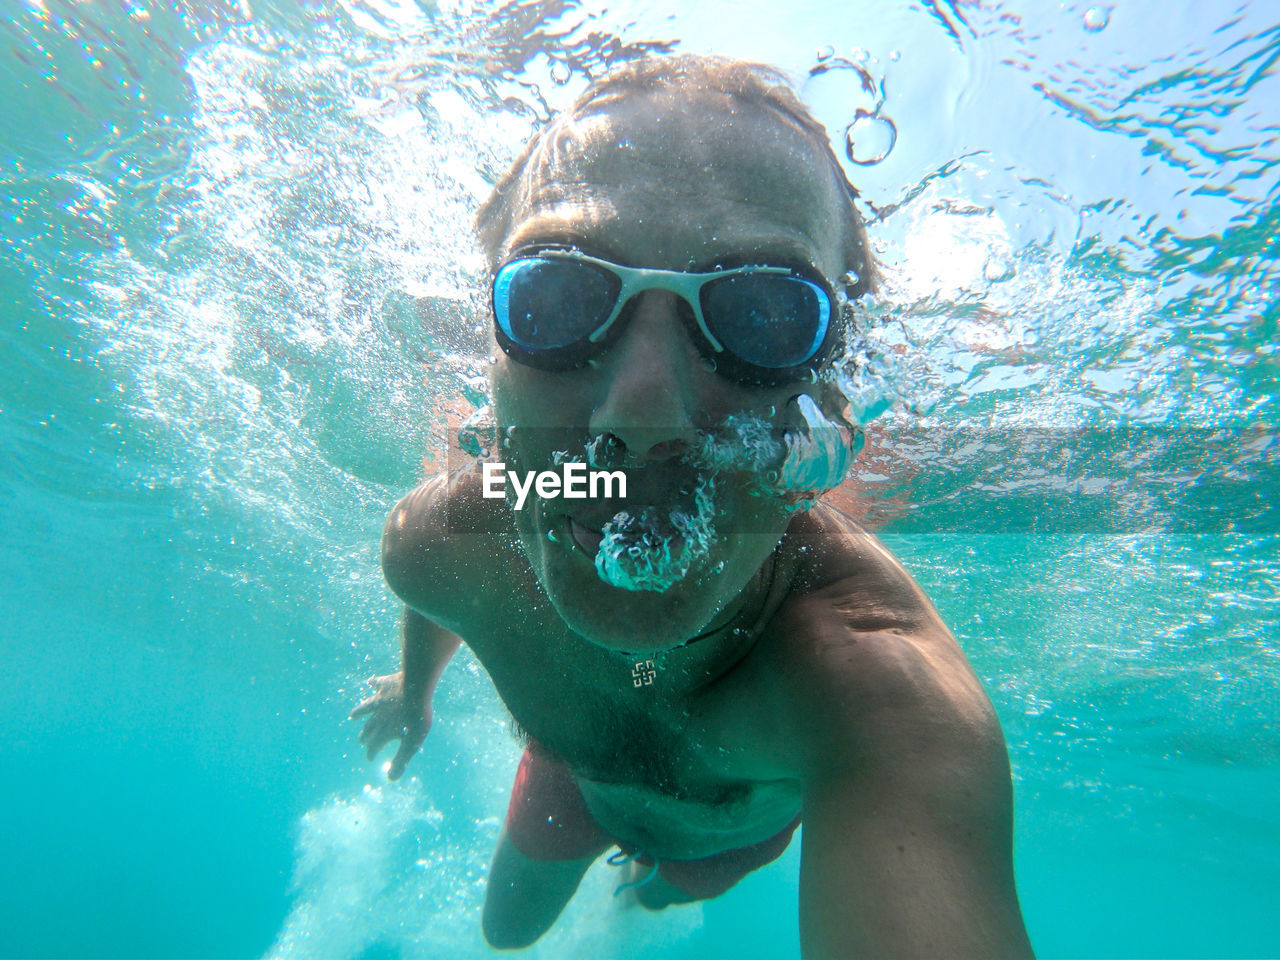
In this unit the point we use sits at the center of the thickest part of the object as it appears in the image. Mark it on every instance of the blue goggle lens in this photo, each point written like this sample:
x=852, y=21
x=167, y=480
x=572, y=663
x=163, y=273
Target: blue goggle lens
x=768, y=319
x=554, y=306
x=547, y=304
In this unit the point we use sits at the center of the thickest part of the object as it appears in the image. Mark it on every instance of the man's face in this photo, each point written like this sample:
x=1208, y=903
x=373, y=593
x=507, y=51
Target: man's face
x=658, y=184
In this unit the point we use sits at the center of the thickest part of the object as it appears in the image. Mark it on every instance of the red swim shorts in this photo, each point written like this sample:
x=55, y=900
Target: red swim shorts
x=548, y=819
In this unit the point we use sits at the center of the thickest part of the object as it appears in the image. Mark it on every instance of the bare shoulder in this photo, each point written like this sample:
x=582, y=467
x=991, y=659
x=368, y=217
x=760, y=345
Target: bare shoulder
x=842, y=559
x=871, y=670
x=443, y=536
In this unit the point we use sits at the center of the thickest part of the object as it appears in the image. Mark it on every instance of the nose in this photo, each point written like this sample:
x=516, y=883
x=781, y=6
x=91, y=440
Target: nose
x=648, y=384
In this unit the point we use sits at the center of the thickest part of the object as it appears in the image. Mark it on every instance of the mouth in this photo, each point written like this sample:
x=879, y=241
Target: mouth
x=586, y=538
x=652, y=494
x=651, y=534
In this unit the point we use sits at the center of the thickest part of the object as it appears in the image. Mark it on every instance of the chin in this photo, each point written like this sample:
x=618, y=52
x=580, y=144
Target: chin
x=638, y=621
x=563, y=554
x=635, y=621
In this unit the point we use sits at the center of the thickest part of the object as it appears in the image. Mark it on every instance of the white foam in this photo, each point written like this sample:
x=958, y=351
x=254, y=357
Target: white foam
x=385, y=870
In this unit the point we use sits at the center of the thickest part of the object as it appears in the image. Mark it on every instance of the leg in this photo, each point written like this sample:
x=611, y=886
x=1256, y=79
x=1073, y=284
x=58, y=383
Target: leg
x=524, y=896
x=549, y=841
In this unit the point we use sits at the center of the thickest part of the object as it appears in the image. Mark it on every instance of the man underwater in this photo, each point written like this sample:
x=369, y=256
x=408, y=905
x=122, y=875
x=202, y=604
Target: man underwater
x=719, y=657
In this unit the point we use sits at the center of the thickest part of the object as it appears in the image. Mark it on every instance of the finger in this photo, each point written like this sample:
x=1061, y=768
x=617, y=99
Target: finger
x=376, y=725
x=363, y=708
x=377, y=740
x=408, y=747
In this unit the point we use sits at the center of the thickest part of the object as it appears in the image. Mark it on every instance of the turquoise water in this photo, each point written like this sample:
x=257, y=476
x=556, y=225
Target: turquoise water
x=241, y=311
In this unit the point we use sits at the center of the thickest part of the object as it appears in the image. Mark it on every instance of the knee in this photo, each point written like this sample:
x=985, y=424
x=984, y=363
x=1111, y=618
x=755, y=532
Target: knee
x=503, y=931
x=525, y=895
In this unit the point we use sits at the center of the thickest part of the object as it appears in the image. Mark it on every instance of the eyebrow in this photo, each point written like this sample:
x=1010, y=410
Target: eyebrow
x=782, y=252
x=540, y=241
x=548, y=231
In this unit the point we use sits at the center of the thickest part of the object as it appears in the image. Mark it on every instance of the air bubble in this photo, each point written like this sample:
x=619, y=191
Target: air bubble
x=475, y=389
x=869, y=139
x=560, y=73
x=818, y=454
x=477, y=434
x=895, y=56
x=826, y=52
x=650, y=552
x=1096, y=19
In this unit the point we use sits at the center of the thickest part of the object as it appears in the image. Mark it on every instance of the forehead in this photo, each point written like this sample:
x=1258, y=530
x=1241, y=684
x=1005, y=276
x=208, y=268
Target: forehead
x=651, y=179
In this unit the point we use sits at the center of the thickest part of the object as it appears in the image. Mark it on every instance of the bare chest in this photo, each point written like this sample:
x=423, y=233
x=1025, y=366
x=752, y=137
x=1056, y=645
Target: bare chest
x=664, y=768
x=611, y=718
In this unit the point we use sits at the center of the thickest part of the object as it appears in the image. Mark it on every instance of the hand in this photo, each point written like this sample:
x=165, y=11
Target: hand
x=391, y=718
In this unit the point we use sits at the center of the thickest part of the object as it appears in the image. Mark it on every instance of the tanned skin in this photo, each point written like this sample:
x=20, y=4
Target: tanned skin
x=823, y=682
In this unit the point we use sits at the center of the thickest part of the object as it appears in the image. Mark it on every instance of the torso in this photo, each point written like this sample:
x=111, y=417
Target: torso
x=683, y=767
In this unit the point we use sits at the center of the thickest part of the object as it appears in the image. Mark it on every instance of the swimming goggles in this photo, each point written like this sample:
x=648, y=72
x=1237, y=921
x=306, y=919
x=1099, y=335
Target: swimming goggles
x=556, y=309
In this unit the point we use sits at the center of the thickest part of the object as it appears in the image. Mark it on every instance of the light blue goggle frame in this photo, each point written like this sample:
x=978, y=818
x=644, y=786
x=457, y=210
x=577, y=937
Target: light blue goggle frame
x=687, y=285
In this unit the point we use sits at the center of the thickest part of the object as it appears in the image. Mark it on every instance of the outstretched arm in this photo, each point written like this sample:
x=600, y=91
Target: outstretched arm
x=908, y=822
x=912, y=858
x=400, y=708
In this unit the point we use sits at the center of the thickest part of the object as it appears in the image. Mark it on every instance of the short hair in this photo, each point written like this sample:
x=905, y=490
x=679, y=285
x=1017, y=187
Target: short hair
x=693, y=75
